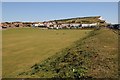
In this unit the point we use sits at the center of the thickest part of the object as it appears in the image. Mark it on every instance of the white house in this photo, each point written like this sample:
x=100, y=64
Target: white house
x=38, y=24
x=85, y=25
x=74, y=24
x=101, y=18
x=89, y=25
x=93, y=24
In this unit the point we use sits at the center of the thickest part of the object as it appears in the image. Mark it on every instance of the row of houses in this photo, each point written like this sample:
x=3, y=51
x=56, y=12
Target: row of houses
x=49, y=25
x=79, y=22
x=53, y=25
x=16, y=24
x=85, y=22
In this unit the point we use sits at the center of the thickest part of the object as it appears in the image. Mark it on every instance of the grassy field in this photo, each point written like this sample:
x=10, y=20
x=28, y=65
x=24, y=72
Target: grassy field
x=23, y=47
x=95, y=56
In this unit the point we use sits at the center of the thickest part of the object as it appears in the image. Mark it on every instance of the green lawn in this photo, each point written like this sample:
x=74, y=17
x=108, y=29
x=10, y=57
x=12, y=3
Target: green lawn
x=23, y=47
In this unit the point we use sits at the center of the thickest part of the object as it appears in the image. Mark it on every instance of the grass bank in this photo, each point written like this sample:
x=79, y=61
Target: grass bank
x=95, y=56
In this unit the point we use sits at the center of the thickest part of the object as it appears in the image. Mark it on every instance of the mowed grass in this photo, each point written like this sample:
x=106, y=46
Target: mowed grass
x=23, y=47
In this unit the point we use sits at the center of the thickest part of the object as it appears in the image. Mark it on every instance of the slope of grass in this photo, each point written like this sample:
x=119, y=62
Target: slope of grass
x=95, y=56
x=105, y=63
x=86, y=20
x=23, y=47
